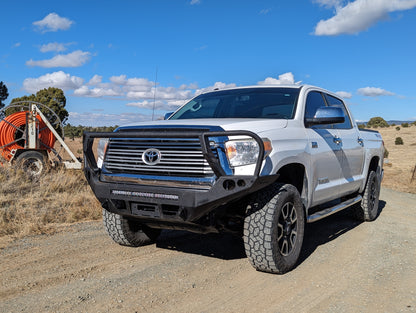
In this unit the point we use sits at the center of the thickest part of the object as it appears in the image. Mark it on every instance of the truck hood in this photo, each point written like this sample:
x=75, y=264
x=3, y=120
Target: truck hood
x=254, y=125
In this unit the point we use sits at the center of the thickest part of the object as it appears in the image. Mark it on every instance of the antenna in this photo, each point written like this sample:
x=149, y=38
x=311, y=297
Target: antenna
x=154, y=97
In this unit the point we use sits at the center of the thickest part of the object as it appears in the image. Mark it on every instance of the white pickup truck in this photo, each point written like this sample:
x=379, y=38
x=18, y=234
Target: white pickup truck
x=256, y=161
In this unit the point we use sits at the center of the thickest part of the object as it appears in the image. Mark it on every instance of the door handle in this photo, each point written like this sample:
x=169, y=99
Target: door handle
x=360, y=142
x=337, y=140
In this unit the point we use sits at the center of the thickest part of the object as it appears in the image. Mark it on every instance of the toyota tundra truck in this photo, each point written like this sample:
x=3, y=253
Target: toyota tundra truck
x=259, y=162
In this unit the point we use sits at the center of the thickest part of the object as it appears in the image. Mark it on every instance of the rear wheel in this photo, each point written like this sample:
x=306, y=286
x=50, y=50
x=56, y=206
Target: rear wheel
x=33, y=163
x=274, y=229
x=127, y=232
x=367, y=209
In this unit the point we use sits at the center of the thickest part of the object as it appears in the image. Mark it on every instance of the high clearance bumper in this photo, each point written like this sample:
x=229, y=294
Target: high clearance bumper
x=162, y=204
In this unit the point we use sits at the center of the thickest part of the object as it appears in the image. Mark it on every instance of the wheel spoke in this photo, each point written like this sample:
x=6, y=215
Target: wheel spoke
x=293, y=236
x=285, y=210
x=285, y=247
x=279, y=231
x=293, y=216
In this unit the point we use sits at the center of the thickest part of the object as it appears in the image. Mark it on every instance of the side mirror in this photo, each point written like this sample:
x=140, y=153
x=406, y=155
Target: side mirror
x=326, y=115
x=167, y=115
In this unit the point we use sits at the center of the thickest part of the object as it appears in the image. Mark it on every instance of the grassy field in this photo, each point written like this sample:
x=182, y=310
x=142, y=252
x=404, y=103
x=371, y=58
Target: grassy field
x=401, y=161
x=63, y=196
x=34, y=206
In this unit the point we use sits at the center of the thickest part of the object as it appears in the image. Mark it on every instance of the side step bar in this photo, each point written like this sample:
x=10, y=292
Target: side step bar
x=329, y=211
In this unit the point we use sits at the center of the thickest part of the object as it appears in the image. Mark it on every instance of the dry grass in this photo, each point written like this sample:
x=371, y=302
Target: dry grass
x=401, y=160
x=34, y=206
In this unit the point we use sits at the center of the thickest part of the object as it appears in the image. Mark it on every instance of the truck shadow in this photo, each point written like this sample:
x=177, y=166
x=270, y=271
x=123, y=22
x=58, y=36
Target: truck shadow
x=328, y=229
x=229, y=247
x=221, y=246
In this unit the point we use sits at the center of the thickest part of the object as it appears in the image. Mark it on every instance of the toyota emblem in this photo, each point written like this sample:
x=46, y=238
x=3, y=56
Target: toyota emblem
x=151, y=156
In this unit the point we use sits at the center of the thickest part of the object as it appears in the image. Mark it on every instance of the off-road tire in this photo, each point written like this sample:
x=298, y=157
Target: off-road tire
x=274, y=228
x=33, y=163
x=127, y=232
x=367, y=209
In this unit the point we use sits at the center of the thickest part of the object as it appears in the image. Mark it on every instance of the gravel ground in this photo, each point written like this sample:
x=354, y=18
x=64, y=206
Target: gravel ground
x=345, y=267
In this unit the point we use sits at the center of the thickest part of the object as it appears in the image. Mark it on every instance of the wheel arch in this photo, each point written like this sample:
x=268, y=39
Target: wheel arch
x=294, y=174
x=374, y=164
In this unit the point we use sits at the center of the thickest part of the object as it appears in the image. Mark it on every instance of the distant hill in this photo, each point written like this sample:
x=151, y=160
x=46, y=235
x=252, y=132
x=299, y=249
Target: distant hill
x=390, y=122
x=398, y=122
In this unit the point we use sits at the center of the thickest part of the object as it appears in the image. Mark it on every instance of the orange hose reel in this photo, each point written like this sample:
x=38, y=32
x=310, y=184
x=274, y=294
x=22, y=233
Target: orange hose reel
x=12, y=129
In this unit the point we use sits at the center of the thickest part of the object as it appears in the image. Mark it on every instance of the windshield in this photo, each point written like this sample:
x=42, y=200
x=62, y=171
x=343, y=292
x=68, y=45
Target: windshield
x=279, y=103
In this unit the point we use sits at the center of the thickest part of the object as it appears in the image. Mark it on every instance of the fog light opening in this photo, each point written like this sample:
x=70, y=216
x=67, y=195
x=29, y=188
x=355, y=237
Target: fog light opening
x=229, y=184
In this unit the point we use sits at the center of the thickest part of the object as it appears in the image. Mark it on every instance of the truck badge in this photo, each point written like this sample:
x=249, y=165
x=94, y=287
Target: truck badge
x=151, y=156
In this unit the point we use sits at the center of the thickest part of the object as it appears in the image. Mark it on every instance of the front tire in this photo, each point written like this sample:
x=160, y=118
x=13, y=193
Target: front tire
x=127, y=232
x=274, y=229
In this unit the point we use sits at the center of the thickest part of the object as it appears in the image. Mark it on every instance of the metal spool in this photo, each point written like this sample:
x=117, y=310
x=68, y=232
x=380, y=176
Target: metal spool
x=28, y=130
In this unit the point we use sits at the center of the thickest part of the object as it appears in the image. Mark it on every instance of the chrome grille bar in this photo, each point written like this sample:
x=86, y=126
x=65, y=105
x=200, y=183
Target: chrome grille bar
x=179, y=157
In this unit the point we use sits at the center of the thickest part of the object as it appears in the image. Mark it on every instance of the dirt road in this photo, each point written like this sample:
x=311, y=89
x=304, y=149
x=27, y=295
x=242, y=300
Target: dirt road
x=345, y=267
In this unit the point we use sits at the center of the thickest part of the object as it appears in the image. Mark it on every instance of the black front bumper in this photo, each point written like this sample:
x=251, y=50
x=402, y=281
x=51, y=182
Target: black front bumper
x=161, y=204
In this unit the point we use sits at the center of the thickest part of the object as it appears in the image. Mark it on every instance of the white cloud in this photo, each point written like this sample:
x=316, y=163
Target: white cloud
x=52, y=23
x=17, y=45
x=284, y=79
x=344, y=94
x=120, y=80
x=217, y=85
x=73, y=59
x=359, y=15
x=195, y=2
x=170, y=105
x=265, y=11
x=190, y=86
x=102, y=119
x=53, y=46
x=57, y=79
x=95, y=80
x=136, y=95
x=374, y=92
x=329, y=3
x=97, y=92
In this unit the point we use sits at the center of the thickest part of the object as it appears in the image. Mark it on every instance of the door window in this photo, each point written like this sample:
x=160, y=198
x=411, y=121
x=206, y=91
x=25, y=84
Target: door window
x=314, y=101
x=335, y=102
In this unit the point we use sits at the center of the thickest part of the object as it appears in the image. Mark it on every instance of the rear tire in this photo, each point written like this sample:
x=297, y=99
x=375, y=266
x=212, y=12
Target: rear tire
x=33, y=163
x=127, y=232
x=367, y=209
x=274, y=229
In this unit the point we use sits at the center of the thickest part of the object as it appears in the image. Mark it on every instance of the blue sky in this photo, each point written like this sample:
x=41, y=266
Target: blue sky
x=106, y=55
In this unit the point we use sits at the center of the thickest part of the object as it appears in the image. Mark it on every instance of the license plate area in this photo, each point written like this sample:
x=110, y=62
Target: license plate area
x=145, y=209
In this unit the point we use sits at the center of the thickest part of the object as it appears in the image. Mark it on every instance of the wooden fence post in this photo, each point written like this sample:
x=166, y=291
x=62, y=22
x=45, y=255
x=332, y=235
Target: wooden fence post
x=413, y=175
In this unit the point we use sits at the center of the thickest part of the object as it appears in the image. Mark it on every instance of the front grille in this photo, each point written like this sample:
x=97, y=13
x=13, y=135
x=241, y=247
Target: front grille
x=179, y=157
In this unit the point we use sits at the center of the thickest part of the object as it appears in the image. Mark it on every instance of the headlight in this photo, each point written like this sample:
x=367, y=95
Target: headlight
x=101, y=149
x=245, y=151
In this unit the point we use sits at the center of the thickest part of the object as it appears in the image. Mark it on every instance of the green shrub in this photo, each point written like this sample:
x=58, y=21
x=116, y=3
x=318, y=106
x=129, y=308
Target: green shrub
x=397, y=128
x=377, y=122
x=398, y=141
x=405, y=124
x=386, y=153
